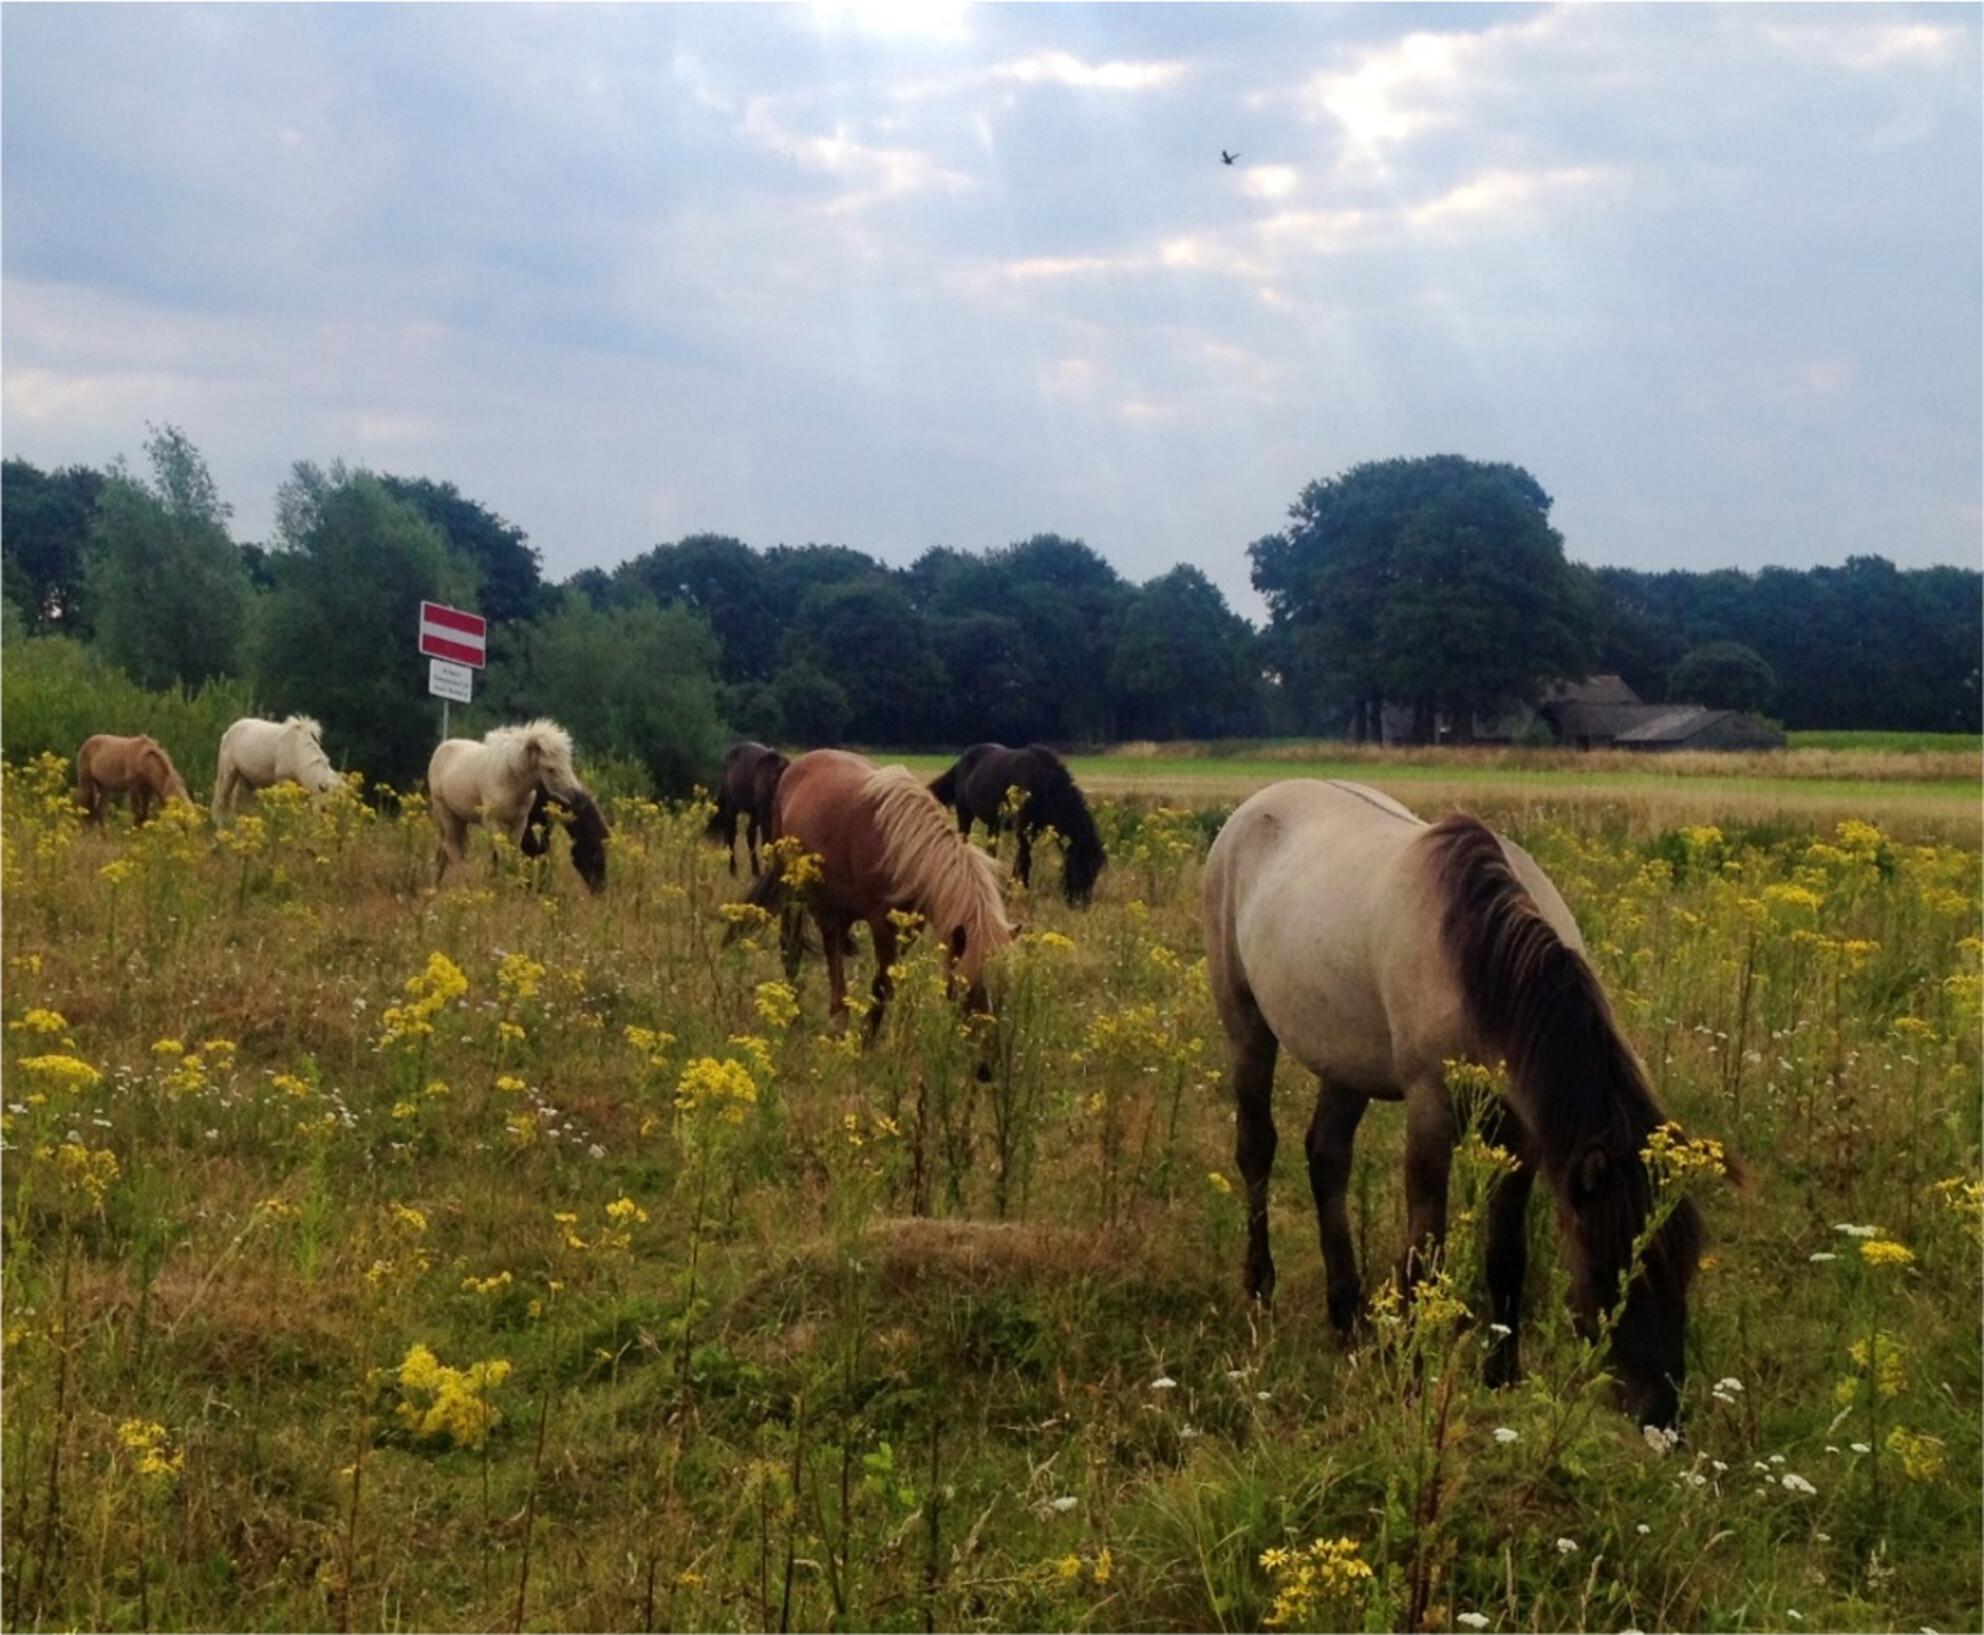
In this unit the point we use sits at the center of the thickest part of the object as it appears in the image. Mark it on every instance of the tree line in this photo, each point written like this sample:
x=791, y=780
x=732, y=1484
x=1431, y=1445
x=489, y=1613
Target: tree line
x=1437, y=583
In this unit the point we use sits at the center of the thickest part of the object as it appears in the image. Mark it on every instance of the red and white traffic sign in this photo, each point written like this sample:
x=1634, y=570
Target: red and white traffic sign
x=449, y=633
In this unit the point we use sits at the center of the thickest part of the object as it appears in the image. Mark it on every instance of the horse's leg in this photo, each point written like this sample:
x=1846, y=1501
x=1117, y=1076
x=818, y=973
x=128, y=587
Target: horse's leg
x=1508, y=1252
x=750, y=843
x=833, y=942
x=1251, y=1054
x=1023, y=868
x=141, y=805
x=1332, y=1135
x=884, y=985
x=1429, y=1156
x=730, y=841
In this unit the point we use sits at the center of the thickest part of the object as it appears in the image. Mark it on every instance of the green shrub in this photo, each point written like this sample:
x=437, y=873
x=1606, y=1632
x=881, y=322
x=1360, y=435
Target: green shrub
x=55, y=692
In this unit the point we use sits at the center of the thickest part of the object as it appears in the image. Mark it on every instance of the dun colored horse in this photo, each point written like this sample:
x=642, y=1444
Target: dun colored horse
x=1377, y=948
x=255, y=754
x=497, y=781
x=977, y=786
x=584, y=823
x=750, y=778
x=884, y=843
x=136, y=768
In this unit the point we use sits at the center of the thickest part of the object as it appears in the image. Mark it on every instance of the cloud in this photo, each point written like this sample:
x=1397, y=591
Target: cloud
x=826, y=273
x=1060, y=68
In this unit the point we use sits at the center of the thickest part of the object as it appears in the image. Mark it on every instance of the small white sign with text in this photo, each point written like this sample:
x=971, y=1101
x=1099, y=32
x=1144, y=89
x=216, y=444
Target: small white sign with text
x=452, y=681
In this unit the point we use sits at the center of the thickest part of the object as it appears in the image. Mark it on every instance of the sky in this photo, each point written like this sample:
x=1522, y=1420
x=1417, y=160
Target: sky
x=901, y=274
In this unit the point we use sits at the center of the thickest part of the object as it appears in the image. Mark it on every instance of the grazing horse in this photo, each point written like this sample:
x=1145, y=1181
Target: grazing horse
x=1377, y=948
x=136, y=768
x=584, y=823
x=750, y=778
x=884, y=843
x=256, y=753
x=496, y=780
x=977, y=784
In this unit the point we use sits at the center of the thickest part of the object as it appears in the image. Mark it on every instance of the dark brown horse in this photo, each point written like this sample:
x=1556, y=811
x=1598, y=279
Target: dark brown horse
x=1379, y=948
x=583, y=822
x=750, y=778
x=977, y=785
x=136, y=768
x=882, y=844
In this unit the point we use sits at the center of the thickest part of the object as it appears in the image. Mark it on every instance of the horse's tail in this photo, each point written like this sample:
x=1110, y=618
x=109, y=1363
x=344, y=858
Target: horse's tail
x=1533, y=999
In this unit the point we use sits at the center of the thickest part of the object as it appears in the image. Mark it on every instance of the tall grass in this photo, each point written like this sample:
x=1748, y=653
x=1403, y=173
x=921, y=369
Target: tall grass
x=499, y=1256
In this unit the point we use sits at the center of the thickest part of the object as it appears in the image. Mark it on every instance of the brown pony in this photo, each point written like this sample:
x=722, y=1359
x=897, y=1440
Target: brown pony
x=1378, y=948
x=883, y=843
x=137, y=768
x=750, y=778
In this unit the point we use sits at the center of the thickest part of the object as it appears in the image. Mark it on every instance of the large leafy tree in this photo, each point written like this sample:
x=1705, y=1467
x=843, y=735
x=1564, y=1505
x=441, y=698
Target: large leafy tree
x=337, y=641
x=865, y=636
x=1184, y=664
x=634, y=680
x=1436, y=582
x=508, y=564
x=723, y=581
x=44, y=535
x=169, y=593
x=1724, y=676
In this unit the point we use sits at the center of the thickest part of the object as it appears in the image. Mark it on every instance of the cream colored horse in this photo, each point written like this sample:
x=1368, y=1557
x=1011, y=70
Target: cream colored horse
x=1377, y=948
x=494, y=780
x=255, y=754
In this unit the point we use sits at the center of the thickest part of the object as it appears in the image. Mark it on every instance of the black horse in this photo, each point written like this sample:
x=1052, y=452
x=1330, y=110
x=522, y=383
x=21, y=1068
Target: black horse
x=583, y=821
x=750, y=778
x=976, y=785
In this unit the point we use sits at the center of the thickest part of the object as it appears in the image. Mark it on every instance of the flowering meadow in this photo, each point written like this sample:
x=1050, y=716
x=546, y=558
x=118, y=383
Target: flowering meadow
x=506, y=1257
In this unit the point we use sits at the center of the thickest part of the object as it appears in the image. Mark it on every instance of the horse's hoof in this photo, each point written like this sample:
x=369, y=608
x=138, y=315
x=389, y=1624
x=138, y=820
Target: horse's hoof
x=1347, y=1314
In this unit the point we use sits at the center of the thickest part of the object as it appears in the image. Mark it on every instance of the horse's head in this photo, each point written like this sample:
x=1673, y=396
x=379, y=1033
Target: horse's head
x=544, y=757
x=304, y=756
x=1607, y=1204
x=589, y=832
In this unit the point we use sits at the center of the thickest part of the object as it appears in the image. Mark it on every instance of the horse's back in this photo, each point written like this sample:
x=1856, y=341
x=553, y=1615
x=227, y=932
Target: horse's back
x=1321, y=917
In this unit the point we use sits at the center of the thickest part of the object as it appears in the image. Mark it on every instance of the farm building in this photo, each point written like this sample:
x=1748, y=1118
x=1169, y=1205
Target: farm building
x=1603, y=712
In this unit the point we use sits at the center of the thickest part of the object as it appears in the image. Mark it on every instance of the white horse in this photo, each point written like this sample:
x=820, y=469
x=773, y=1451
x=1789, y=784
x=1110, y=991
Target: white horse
x=256, y=753
x=495, y=780
x=1377, y=948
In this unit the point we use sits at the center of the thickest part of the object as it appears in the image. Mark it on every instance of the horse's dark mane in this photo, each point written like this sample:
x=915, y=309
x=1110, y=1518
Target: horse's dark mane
x=1577, y=1086
x=1058, y=803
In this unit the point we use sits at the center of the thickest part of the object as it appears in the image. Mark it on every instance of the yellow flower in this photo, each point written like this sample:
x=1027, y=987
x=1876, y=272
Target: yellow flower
x=1886, y=1252
x=1219, y=1183
x=291, y=1085
x=1671, y=1156
x=60, y=1072
x=145, y=1440
x=777, y=1004
x=518, y=976
x=723, y=1087
x=1305, y=1580
x=449, y=1402
x=39, y=1021
x=1921, y=1456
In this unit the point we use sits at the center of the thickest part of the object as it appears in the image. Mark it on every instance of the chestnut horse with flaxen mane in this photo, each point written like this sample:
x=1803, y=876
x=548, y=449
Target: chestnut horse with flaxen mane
x=1377, y=948
x=883, y=843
